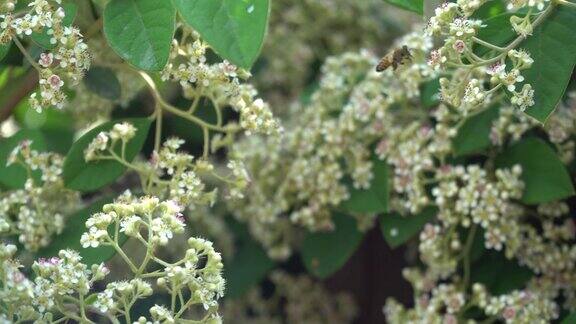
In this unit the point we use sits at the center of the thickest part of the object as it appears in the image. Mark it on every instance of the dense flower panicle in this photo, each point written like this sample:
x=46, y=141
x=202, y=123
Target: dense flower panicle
x=38, y=211
x=302, y=174
x=65, y=63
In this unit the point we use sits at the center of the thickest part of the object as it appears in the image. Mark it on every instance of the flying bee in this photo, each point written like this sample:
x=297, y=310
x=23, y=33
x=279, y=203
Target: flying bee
x=394, y=58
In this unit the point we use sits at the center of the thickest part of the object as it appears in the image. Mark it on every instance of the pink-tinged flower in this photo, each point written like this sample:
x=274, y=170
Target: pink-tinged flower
x=459, y=46
x=509, y=313
x=496, y=69
x=46, y=59
x=55, y=82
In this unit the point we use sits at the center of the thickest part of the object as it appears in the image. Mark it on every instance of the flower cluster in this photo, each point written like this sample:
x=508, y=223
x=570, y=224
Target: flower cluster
x=63, y=284
x=304, y=32
x=303, y=175
x=59, y=288
x=296, y=299
x=219, y=83
x=479, y=75
x=38, y=211
x=68, y=58
x=106, y=143
x=446, y=303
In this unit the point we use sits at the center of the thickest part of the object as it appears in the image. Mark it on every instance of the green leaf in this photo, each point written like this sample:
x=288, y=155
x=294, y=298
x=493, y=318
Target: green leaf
x=89, y=176
x=497, y=30
x=397, y=229
x=374, y=199
x=70, y=237
x=553, y=48
x=430, y=93
x=249, y=265
x=500, y=275
x=43, y=39
x=545, y=177
x=4, y=49
x=234, y=28
x=570, y=319
x=141, y=31
x=416, y=6
x=325, y=253
x=474, y=134
x=15, y=175
x=103, y=82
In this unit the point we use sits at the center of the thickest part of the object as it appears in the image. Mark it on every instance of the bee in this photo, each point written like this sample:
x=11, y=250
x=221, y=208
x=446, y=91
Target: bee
x=394, y=58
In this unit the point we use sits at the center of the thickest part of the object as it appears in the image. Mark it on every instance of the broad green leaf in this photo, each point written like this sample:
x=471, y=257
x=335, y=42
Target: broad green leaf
x=89, y=176
x=15, y=175
x=553, y=48
x=416, y=6
x=374, y=199
x=397, y=229
x=141, y=31
x=545, y=177
x=325, y=253
x=234, y=28
x=474, y=134
x=500, y=275
x=70, y=237
x=4, y=49
x=249, y=265
x=43, y=39
x=103, y=82
x=570, y=319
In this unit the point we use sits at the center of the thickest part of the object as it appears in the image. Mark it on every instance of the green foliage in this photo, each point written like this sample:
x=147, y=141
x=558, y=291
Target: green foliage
x=141, y=31
x=398, y=229
x=325, y=253
x=15, y=175
x=249, y=265
x=88, y=176
x=545, y=176
x=43, y=39
x=497, y=31
x=570, y=319
x=4, y=49
x=430, y=93
x=499, y=274
x=103, y=82
x=374, y=199
x=553, y=48
x=235, y=29
x=416, y=6
x=70, y=237
x=474, y=134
